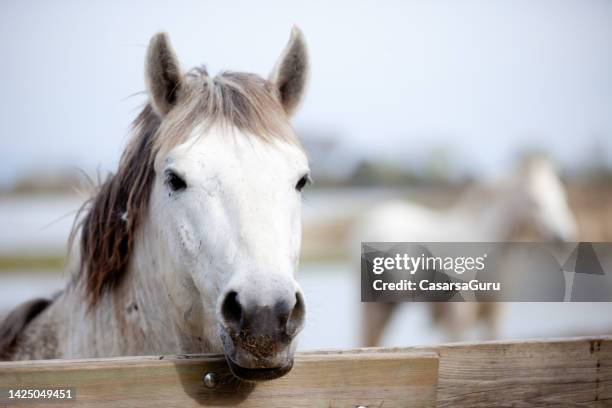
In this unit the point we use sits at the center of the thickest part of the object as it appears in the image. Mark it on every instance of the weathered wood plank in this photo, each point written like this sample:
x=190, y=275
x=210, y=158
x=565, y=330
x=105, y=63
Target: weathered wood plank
x=540, y=373
x=317, y=380
x=534, y=374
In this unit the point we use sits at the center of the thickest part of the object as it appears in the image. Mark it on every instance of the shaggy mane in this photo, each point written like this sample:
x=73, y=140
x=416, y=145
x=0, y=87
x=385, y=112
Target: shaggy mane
x=113, y=215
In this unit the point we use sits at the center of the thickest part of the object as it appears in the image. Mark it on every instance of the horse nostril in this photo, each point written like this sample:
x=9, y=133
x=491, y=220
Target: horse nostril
x=296, y=317
x=285, y=318
x=232, y=311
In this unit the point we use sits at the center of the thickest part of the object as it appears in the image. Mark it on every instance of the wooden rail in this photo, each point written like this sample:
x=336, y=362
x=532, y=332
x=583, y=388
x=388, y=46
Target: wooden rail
x=329, y=380
x=558, y=372
x=566, y=372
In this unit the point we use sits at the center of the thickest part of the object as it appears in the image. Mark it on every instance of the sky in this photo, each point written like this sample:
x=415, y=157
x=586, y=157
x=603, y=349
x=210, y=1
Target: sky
x=391, y=79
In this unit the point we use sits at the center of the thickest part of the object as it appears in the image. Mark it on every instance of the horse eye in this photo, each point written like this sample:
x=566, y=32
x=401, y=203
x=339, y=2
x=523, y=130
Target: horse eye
x=174, y=181
x=302, y=182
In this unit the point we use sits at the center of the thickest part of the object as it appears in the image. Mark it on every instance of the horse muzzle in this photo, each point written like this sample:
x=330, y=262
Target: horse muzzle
x=259, y=341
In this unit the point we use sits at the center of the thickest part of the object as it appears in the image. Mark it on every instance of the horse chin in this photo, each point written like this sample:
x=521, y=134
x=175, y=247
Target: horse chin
x=247, y=367
x=258, y=374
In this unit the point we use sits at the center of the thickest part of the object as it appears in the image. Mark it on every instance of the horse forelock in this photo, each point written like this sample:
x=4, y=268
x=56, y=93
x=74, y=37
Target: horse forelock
x=233, y=100
x=112, y=216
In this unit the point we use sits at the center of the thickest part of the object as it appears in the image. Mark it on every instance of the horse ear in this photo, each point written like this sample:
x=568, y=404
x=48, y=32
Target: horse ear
x=291, y=72
x=163, y=74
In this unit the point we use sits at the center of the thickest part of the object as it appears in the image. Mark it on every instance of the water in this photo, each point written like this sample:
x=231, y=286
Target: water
x=37, y=225
x=19, y=286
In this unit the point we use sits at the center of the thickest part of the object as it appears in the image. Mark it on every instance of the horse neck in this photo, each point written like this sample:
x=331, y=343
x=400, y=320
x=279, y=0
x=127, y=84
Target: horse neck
x=119, y=323
x=135, y=318
x=492, y=218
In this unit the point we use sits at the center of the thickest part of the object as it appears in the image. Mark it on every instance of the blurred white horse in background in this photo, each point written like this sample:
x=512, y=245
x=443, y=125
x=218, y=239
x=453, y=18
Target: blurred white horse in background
x=533, y=198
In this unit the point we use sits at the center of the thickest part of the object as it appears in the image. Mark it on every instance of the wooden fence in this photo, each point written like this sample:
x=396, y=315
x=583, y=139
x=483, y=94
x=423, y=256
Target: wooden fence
x=556, y=373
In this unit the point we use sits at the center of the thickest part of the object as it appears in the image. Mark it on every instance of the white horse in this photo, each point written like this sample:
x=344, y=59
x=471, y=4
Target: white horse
x=533, y=197
x=192, y=246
